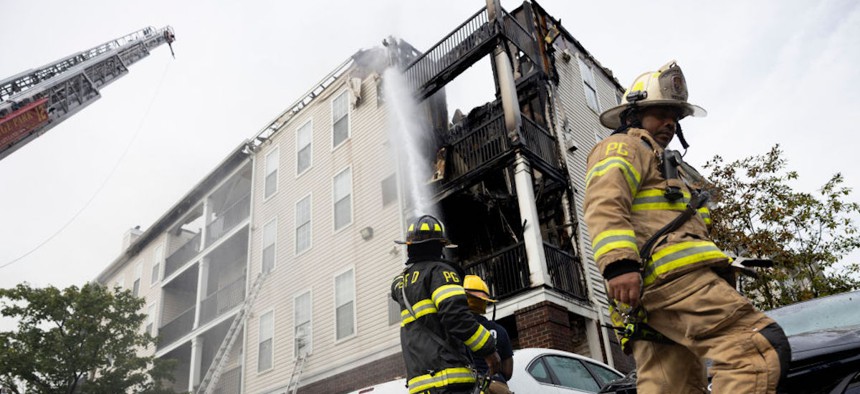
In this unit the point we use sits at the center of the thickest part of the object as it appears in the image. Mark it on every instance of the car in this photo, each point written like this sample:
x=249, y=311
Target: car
x=824, y=335
x=551, y=371
x=397, y=386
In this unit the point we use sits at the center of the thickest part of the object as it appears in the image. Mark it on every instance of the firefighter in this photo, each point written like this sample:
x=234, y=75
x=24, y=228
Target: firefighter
x=478, y=295
x=644, y=210
x=437, y=331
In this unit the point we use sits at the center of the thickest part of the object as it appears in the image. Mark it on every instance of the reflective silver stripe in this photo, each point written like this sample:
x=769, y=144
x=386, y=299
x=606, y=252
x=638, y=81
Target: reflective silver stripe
x=680, y=254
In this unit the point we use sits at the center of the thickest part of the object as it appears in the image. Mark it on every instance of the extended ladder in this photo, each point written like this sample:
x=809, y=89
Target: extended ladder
x=210, y=380
x=293, y=387
x=36, y=100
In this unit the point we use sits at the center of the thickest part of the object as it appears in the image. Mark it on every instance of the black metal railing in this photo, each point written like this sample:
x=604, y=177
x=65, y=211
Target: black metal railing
x=565, y=271
x=182, y=255
x=451, y=49
x=229, y=219
x=485, y=143
x=176, y=328
x=223, y=300
x=519, y=36
x=230, y=382
x=539, y=142
x=506, y=271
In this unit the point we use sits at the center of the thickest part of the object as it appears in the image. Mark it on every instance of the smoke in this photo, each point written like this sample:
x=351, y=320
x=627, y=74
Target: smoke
x=408, y=137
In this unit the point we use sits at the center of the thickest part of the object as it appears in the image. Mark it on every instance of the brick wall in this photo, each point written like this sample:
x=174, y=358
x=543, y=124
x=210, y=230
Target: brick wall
x=380, y=371
x=546, y=325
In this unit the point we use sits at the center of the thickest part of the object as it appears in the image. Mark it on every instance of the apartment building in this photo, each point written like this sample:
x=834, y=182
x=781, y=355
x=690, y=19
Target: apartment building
x=309, y=207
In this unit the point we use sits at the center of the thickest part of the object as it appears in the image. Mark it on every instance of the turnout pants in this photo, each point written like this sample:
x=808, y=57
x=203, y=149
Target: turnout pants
x=708, y=319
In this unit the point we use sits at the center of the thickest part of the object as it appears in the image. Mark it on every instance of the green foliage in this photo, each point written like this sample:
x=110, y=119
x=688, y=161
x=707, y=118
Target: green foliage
x=77, y=340
x=757, y=213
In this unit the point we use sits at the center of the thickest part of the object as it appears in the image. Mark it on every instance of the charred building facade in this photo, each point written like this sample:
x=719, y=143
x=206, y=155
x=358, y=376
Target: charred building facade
x=273, y=273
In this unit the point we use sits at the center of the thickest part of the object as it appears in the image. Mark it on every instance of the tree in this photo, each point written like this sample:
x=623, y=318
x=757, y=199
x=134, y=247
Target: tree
x=77, y=340
x=757, y=213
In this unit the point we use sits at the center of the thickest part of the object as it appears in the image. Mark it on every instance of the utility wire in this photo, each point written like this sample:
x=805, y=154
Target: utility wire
x=104, y=183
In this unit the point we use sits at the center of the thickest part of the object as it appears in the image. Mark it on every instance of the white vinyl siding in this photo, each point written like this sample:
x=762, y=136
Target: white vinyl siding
x=272, y=159
x=588, y=85
x=265, y=344
x=344, y=300
x=155, y=275
x=340, y=119
x=303, y=225
x=304, y=139
x=270, y=235
x=302, y=330
x=150, y=320
x=342, y=198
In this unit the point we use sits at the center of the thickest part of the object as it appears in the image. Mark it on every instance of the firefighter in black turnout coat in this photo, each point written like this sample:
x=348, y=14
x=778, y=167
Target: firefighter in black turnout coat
x=436, y=326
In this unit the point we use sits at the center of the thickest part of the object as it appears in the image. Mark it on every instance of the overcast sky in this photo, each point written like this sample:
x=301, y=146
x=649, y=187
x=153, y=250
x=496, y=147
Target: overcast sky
x=767, y=72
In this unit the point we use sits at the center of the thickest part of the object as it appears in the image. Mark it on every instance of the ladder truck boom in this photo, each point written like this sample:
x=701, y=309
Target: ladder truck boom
x=36, y=100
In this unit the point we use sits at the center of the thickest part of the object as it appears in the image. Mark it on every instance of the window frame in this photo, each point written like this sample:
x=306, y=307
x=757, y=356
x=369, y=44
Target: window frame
x=151, y=313
x=274, y=151
x=274, y=245
x=308, y=197
x=586, y=85
x=395, y=197
x=310, y=144
x=310, y=322
x=138, y=278
x=157, y=269
x=354, y=305
x=334, y=201
x=348, y=119
x=259, y=342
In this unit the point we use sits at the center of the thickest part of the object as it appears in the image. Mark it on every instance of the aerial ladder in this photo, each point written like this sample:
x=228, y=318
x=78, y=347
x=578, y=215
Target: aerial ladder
x=36, y=100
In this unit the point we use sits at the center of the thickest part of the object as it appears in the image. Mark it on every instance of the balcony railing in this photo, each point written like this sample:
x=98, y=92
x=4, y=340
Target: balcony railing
x=229, y=219
x=482, y=145
x=222, y=300
x=506, y=271
x=565, y=271
x=540, y=143
x=176, y=328
x=182, y=255
x=230, y=382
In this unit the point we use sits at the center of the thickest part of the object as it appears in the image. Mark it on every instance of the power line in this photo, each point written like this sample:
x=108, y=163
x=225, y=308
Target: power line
x=104, y=182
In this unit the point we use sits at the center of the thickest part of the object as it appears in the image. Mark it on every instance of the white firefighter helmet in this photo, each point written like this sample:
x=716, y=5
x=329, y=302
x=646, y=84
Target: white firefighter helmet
x=665, y=87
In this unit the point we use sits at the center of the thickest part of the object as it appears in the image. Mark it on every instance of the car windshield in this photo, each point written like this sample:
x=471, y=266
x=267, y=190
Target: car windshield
x=842, y=310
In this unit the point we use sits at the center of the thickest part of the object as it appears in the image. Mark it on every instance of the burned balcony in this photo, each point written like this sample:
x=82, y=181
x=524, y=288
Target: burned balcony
x=565, y=272
x=182, y=255
x=228, y=219
x=506, y=271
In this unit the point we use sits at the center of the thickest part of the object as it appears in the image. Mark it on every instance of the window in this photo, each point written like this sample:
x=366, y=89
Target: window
x=302, y=339
x=342, y=199
x=304, y=137
x=150, y=320
x=120, y=283
x=344, y=303
x=303, y=225
x=138, y=272
x=605, y=375
x=265, y=346
x=156, y=265
x=571, y=373
x=589, y=86
x=539, y=372
x=340, y=119
x=389, y=190
x=618, y=98
x=271, y=173
x=393, y=312
x=270, y=234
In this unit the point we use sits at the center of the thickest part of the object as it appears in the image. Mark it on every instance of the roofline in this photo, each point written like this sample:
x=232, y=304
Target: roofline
x=230, y=163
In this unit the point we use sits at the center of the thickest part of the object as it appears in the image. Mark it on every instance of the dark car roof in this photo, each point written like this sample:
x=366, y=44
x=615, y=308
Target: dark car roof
x=816, y=343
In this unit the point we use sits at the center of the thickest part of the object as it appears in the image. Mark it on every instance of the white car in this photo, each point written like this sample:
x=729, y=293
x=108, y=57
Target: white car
x=544, y=371
x=550, y=371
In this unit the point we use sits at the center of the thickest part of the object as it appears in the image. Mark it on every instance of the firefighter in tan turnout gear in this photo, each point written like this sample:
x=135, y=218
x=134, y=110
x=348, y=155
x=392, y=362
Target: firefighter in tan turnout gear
x=645, y=212
x=437, y=330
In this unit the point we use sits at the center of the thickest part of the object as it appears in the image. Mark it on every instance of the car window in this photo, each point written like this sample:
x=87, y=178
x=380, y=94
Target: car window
x=605, y=375
x=539, y=372
x=818, y=314
x=571, y=373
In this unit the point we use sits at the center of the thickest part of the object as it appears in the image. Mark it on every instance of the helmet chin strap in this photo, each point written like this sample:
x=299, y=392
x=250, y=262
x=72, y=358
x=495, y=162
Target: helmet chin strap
x=681, y=138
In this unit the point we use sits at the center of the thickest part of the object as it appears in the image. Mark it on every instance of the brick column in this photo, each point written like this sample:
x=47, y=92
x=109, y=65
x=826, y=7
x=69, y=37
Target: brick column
x=545, y=325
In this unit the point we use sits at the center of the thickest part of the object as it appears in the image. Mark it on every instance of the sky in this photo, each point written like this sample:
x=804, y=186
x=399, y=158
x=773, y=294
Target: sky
x=768, y=72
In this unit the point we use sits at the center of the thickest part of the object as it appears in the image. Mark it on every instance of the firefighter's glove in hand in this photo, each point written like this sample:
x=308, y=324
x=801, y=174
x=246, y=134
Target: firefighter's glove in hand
x=494, y=363
x=625, y=288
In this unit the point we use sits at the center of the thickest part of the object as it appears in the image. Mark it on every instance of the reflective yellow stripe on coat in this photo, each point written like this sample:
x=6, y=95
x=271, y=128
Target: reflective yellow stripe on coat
x=478, y=339
x=607, y=164
x=441, y=378
x=680, y=255
x=613, y=239
x=420, y=308
x=445, y=292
